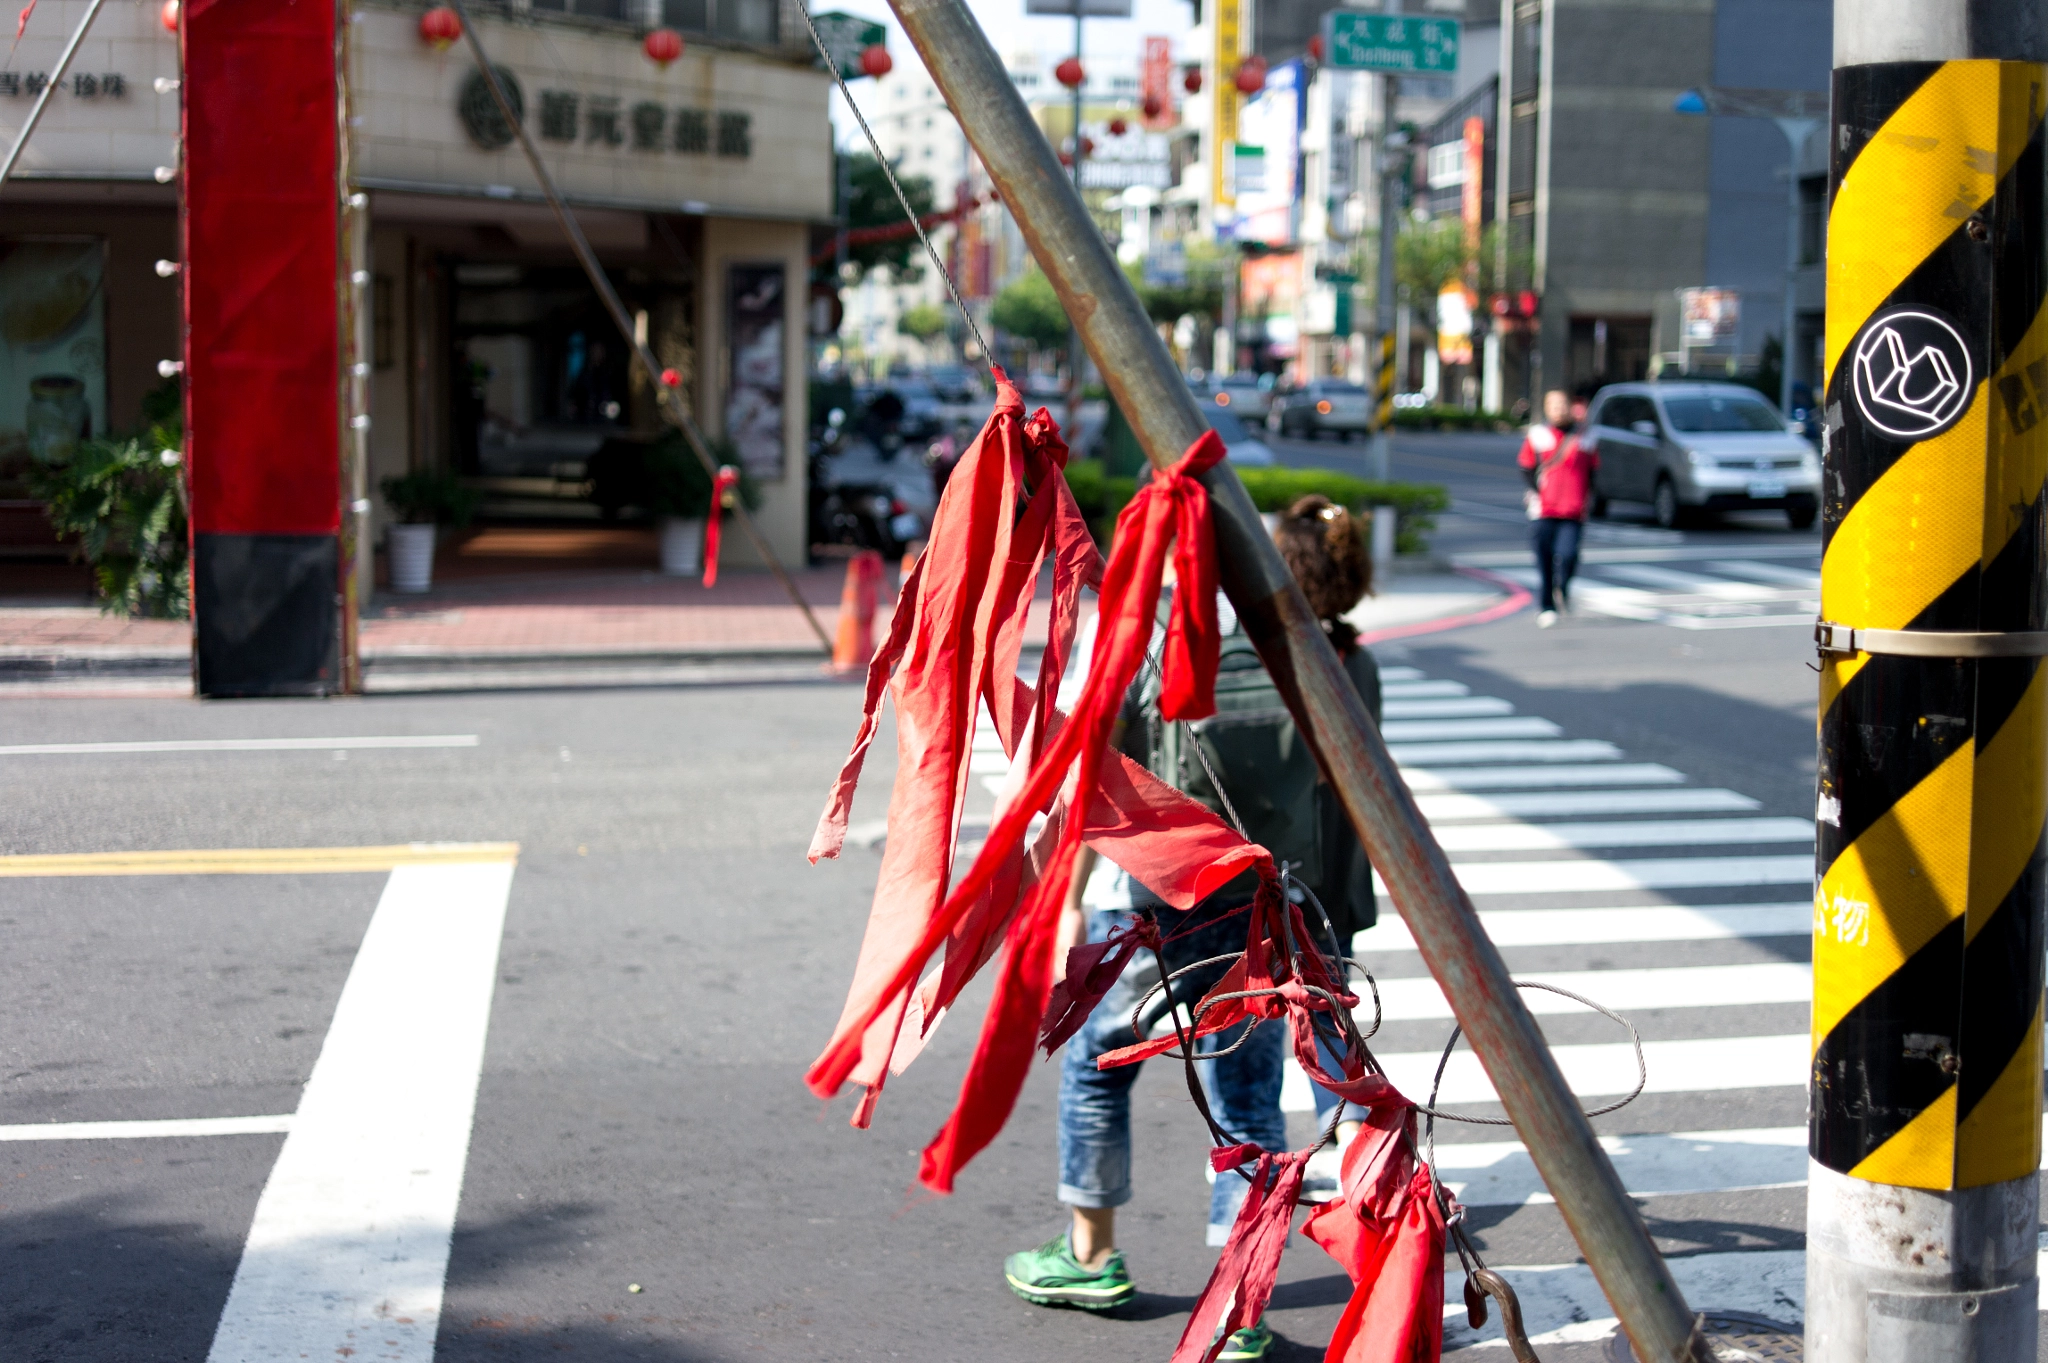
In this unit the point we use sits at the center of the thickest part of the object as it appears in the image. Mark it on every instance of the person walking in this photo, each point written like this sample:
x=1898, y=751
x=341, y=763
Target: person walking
x=1559, y=470
x=1242, y=1075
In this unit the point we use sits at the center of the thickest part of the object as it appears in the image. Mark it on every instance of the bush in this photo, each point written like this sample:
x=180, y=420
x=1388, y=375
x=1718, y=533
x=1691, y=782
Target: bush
x=125, y=501
x=1101, y=495
x=1450, y=419
x=430, y=497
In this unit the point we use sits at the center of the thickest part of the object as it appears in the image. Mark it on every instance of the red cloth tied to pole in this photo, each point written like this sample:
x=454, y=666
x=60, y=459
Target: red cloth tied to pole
x=1242, y=1282
x=726, y=480
x=1161, y=832
x=1387, y=1230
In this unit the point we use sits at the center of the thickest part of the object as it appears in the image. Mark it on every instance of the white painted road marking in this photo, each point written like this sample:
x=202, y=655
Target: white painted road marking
x=1428, y=755
x=349, y=1248
x=1659, y=873
x=1553, y=803
x=1418, y=690
x=1588, y=927
x=1420, y=777
x=1560, y=837
x=244, y=745
x=1462, y=707
x=1459, y=730
x=1417, y=998
x=147, y=1129
x=1562, y=1304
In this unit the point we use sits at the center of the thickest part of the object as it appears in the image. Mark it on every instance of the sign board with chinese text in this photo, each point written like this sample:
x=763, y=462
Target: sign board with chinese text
x=1404, y=44
x=1228, y=35
x=1090, y=9
x=1155, y=82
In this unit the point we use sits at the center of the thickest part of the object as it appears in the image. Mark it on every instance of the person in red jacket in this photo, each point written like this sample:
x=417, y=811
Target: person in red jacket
x=1559, y=470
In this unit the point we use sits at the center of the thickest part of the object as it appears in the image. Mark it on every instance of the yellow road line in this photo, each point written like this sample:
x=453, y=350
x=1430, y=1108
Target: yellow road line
x=249, y=861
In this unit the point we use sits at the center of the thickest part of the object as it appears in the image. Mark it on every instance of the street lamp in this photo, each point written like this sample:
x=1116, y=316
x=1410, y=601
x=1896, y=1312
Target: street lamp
x=1797, y=113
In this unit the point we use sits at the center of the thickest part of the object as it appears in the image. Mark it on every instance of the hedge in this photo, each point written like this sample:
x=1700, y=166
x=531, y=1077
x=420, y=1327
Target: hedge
x=1102, y=495
x=1450, y=419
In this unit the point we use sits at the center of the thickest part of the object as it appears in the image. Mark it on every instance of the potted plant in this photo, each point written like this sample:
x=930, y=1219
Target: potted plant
x=677, y=493
x=423, y=501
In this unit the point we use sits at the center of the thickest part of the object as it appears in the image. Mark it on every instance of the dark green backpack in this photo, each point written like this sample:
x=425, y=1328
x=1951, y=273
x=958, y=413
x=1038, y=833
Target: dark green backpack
x=1269, y=774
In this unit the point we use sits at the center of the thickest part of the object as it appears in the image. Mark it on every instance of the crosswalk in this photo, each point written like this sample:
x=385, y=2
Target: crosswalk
x=1573, y=854
x=1687, y=587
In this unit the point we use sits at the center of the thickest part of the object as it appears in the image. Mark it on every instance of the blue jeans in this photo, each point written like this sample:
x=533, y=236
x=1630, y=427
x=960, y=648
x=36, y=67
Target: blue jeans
x=1557, y=558
x=1095, y=1105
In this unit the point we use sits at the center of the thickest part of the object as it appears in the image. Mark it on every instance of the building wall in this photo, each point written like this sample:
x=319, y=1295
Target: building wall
x=728, y=242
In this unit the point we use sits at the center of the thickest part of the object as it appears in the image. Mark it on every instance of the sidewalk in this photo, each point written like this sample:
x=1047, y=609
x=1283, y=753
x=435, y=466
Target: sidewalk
x=579, y=624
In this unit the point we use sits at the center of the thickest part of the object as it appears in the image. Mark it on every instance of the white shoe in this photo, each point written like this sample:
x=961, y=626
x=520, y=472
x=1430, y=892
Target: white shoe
x=1545, y=619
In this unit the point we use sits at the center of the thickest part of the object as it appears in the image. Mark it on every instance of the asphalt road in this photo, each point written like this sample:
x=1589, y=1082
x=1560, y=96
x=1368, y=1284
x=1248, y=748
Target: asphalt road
x=668, y=964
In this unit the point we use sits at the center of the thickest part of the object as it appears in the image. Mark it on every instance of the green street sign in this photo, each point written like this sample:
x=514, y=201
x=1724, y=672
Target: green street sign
x=1405, y=44
x=846, y=36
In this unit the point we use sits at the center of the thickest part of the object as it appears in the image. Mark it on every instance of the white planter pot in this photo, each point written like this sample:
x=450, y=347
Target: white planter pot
x=682, y=546
x=412, y=557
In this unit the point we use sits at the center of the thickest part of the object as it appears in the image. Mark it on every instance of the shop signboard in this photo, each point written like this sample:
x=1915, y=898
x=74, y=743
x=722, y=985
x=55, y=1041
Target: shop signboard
x=1403, y=44
x=1709, y=317
x=1155, y=85
x=1454, y=323
x=1266, y=181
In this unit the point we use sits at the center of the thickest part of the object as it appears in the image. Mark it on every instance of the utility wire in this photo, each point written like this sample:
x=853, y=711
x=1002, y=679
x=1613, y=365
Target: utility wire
x=987, y=360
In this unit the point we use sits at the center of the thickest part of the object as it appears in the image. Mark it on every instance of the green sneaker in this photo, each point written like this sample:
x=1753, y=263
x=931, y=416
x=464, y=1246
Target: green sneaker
x=1252, y=1342
x=1050, y=1276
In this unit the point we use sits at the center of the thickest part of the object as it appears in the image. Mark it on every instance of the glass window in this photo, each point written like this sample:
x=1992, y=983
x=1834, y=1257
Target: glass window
x=1622, y=412
x=691, y=16
x=747, y=21
x=1730, y=412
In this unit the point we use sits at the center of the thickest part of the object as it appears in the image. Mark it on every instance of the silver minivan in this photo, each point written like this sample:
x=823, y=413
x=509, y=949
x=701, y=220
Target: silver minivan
x=1688, y=448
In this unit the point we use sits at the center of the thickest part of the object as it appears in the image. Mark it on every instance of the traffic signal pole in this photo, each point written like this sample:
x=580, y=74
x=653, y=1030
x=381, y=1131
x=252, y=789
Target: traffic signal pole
x=1925, y=1112
x=1156, y=401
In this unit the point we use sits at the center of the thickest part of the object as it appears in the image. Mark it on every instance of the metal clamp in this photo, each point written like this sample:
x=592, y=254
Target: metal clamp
x=1842, y=640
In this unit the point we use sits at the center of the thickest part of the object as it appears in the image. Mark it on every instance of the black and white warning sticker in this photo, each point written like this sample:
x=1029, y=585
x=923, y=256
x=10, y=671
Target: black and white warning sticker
x=1913, y=375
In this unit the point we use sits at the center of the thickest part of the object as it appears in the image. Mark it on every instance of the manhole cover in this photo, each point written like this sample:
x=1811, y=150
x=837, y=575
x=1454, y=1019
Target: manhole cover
x=1736, y=1337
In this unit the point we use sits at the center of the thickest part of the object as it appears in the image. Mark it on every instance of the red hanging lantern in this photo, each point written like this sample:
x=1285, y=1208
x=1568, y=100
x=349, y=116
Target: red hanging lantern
x=1117, y=127
x=662, y=46
x=1192, y=81
x=1087, y=146
x=876, y=61
x=169, y=15
x=1251, y=75
x=440, y=27
x=1315, y=48
x=1069, y=73
x=1153, y=106
x=671, y=378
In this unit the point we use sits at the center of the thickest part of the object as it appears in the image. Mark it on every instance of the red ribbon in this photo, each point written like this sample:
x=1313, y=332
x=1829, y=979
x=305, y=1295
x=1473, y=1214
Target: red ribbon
x=1242, y=1281
x=725, y=481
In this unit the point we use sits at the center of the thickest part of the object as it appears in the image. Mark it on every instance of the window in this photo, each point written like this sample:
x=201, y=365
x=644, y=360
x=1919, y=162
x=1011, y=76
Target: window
x=1447, y=165
x=691, y=16
x=584, y=9
x=1621, y=413
x=748, y=21
x=1730, y=412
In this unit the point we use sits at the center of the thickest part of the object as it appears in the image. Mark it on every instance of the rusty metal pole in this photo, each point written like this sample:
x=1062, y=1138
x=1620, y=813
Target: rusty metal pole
x=1154, y=398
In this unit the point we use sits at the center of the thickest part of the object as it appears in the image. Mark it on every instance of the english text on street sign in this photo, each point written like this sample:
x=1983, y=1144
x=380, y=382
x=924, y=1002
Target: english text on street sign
x=1406, y=44
x=1090, y=9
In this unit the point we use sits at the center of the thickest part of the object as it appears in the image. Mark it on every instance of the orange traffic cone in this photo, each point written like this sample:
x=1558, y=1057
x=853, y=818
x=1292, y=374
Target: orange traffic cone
x=855, y=644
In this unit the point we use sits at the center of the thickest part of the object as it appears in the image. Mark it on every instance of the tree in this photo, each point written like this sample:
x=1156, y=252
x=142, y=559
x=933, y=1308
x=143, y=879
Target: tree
x=923, y=322
x=871, y=203
x=1030, y=311
x=1201, y=293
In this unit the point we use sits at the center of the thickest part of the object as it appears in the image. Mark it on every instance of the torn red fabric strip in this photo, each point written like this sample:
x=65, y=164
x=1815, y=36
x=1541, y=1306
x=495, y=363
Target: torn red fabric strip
x=1242, y=1282
x=725, y=481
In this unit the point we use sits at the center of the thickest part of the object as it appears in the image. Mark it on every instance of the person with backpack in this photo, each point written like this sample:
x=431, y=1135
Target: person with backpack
x=1559, y=470
x=1273, y=786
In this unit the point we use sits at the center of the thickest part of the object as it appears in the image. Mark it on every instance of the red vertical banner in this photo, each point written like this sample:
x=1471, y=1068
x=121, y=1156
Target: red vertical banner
x=1155, y=84
x=1473, y=203
x=260, y=222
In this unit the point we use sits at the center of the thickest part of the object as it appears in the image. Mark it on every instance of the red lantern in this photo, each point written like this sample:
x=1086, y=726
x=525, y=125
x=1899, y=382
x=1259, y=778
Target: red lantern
x=169, y=15
x=1192, y=81
x=671, y=378
x=876, y=61
x=1153, y=107
x=1069, y=73
x=1251, y=75
x=1315, y=48
x=1066, y=158
x=1117, y=127
x=439, y=27
x=662, y=46
x=1087, y=146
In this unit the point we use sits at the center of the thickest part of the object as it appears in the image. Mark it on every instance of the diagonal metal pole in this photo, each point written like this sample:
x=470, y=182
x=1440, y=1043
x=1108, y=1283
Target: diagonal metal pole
x=671, y=400
x=1149, y=390
x=35, y=112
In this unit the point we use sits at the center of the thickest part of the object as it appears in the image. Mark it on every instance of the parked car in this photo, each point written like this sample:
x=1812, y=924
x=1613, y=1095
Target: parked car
x=1240, y=445
x=1248, y=395
x=1692, y=448
x=1338, y=406
x=955, y=382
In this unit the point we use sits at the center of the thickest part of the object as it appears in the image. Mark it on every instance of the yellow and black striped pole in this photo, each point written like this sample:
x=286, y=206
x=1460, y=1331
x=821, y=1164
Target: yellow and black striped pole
x=1925, y=1116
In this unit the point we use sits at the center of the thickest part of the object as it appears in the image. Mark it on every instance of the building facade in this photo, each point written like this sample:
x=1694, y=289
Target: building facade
x=491, y=355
